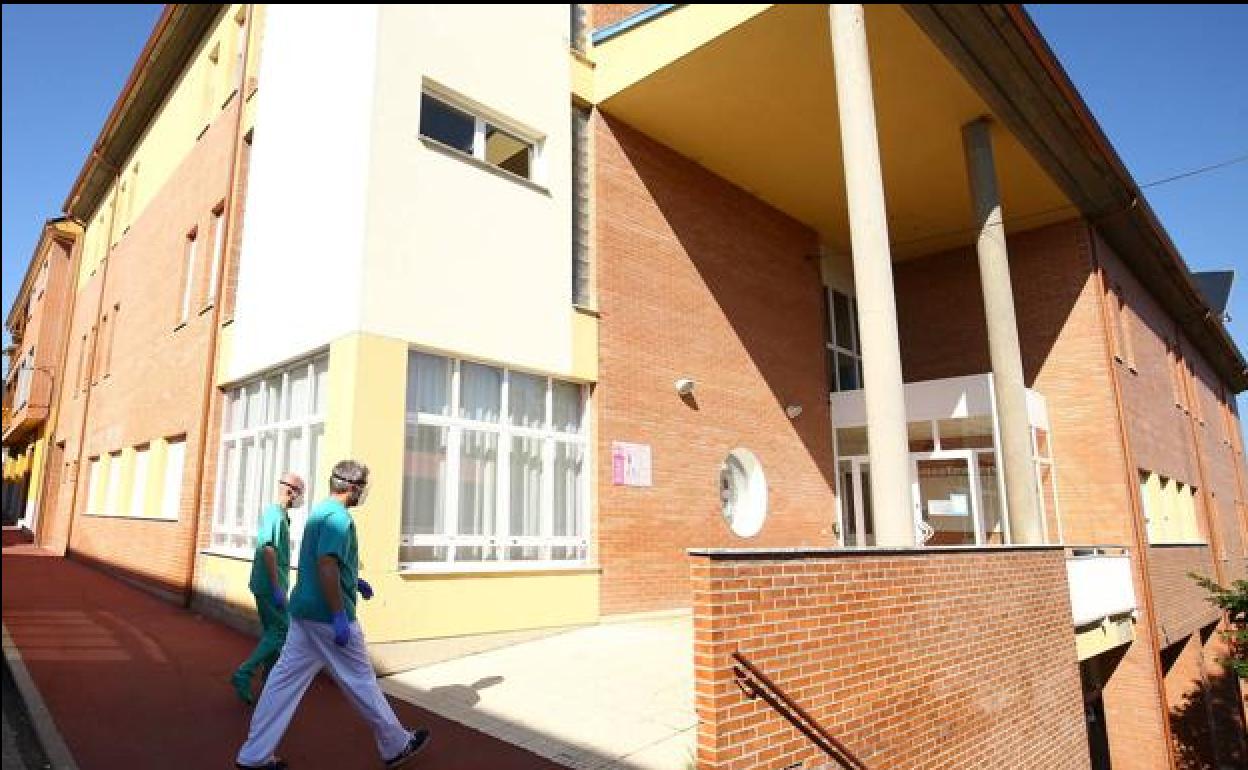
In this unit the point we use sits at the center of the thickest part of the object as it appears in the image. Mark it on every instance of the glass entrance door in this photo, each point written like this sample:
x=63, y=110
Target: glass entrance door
x=946, y=498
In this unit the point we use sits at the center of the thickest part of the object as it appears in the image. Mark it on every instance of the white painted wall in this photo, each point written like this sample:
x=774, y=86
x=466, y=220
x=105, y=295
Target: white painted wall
x=460, y=259
x=943, y=399
x=302, y=266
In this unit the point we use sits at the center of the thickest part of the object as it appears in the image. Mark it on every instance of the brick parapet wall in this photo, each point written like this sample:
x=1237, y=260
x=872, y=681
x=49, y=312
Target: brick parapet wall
x=920, y=659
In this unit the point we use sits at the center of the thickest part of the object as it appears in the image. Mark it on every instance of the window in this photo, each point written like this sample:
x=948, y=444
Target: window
x=188, y=274
x=1119, y=326
x=495, y=467
x=106, y=357
x=112, y=496
x=743, y=493
x=1174, y=362
x=138, y=485
x=476, y=136
x=844, y=349
x=93, y=487
x=580, y=205
x=271, y=425
x=1169, y=509
x=210, y=76
x=25, y=371
x=240, y=46
x=171, y=489
x=42, y=283
x=82, y=371
x=218, y=245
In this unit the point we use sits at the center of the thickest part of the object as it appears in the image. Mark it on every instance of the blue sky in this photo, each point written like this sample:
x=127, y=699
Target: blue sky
x=1166, y=82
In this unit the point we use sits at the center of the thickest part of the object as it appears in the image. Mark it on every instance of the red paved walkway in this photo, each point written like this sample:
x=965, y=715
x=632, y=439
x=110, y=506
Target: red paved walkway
x=135, y=682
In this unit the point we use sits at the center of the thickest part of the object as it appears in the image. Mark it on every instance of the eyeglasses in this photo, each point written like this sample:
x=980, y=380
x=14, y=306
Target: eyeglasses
x=296, y=490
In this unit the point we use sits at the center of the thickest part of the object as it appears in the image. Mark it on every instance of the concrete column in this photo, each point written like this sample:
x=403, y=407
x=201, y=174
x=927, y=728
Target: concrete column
x=1007, y=364
x=873, y=282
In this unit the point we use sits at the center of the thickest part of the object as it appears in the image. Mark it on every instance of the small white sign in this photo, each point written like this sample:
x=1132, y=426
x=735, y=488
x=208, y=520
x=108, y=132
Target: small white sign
x=958, y=504
x=630, y=464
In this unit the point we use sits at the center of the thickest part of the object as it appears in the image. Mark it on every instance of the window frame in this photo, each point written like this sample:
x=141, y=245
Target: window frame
x=499, y=539
x=226, y=534
x=482, y=120
x=834, y=348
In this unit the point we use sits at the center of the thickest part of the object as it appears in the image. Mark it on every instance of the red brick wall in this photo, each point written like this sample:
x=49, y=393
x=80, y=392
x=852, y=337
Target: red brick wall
x=1198, y=688
x=150, y=369
x=913, y=660
x=1164, y=437
x=1181, y=603
x=699, y=279
x=1062, y=332
x=1061, y=337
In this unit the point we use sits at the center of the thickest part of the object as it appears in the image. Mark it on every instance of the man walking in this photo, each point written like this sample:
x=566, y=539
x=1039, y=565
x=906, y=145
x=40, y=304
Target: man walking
x=270, y=579
x=324, y=633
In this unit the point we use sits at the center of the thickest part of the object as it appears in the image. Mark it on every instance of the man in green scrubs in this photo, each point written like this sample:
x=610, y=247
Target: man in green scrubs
x=270, y=580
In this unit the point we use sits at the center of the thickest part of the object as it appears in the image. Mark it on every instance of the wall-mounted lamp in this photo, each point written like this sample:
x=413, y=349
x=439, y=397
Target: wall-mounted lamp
x=684, y=386
x=793, y=411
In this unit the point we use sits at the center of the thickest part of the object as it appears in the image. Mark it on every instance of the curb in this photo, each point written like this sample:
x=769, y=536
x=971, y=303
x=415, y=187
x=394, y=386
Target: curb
x=53, y=744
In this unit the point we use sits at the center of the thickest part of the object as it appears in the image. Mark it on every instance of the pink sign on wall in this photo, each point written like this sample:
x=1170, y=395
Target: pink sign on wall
x=630, y=464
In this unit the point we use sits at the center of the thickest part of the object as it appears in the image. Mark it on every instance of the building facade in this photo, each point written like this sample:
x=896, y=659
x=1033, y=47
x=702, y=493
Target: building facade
x=636, y=309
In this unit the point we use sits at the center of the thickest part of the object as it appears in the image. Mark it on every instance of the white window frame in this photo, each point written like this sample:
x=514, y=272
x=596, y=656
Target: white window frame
x=502, y=539
x=231, y=538
x=834, y=349
x=218, y=245
x=141, y=464
x=171, y=488
x=190, y=252
x=482, y=120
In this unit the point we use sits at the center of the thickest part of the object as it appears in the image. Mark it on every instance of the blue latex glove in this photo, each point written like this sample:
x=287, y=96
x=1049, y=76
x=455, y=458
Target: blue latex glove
x=342, y=629
x=279, y=597
x=364, y=588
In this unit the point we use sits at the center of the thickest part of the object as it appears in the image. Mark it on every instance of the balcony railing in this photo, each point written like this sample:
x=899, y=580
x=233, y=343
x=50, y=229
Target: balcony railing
x=1100, y=583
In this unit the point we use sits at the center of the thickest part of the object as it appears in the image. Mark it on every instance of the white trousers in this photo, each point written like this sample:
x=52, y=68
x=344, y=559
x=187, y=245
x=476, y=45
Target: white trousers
x=309, y=648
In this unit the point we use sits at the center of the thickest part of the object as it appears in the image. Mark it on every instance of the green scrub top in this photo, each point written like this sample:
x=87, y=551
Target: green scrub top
x=275, y=532
x=330, y=531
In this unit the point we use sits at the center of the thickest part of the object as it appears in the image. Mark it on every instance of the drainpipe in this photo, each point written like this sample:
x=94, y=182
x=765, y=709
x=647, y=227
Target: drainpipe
x=210, y=365
x=1133, y=491
x=89, y=360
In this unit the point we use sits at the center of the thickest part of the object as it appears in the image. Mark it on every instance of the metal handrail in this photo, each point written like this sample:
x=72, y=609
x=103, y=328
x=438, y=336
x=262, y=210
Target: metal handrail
x=786, y=707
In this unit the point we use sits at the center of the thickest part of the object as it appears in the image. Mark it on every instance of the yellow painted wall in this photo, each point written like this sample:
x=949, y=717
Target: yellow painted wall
x=425, y=606
x=225, y=579
x=584, y=346
x=205, y=88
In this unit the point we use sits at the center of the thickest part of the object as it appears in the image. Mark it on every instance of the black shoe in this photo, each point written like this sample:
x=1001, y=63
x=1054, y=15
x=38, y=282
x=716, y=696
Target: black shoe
x=277, y=763
x=415, y=744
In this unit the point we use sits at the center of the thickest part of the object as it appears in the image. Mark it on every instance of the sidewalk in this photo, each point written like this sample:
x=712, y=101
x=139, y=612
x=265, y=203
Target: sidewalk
x=132, y=681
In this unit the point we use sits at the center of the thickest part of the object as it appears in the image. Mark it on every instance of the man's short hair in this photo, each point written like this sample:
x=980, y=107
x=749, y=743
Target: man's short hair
x=346, y=474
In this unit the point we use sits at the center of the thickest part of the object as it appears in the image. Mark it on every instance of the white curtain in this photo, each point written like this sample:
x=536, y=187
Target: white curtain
x=480, y=392
x=526, y=400
x=428, y=384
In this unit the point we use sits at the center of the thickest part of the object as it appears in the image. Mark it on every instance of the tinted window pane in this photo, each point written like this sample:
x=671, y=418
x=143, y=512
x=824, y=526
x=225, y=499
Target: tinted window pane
x=446, y=124
x=840, y=316
x=506, y=151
